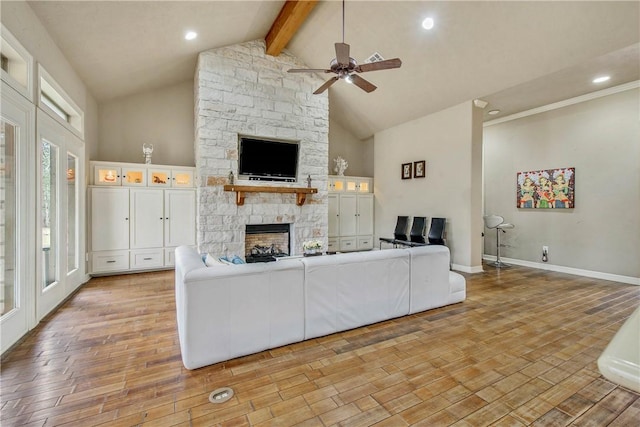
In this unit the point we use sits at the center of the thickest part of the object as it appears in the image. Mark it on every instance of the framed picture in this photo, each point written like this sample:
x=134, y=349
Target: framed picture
x=406, y=171
x=546, y=189
x=419, y=169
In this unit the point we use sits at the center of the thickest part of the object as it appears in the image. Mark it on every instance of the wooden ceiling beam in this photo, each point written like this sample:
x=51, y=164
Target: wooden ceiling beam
x=292, y=15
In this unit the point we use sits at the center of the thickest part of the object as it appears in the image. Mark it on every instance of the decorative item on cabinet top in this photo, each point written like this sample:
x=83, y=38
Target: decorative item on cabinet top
x=350, y=184
x=141, y=175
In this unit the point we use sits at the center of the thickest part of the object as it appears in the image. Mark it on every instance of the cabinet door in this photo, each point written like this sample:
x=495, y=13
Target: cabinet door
x=107, y=175
x=181, y=178
x=109, y=219
x=348, y=215
x=159, y=177
x=334, y=215
x=147, y=218
x=134, y=177
x=351, y=184
x=365, y=185
x=336, y=184
x=365, y=214
x=180, y=217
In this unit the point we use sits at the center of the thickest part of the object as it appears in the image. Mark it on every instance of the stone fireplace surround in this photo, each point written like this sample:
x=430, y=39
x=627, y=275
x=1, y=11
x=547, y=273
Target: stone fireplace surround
x=239, y=90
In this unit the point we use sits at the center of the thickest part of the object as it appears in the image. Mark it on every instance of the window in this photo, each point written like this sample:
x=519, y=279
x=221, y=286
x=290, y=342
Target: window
x=16, y=64
x=55, y=102
x=49, y=203
x=55, y=107
x=8, y=226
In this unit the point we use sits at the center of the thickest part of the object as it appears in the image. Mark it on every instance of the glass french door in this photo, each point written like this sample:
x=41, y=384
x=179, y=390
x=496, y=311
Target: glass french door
x=73, y=183
x=50, y=288
x=16, y=295
x=60, y=174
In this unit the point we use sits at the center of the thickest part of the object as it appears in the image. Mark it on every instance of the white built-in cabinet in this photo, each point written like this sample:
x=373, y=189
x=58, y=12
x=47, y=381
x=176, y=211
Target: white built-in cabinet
x=136, y=227
x=350, y=184
x=350, y=214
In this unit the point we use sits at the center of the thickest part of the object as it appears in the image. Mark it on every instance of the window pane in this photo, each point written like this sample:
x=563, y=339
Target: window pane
x=72, y=214
x=8, y=226
x=49, y=200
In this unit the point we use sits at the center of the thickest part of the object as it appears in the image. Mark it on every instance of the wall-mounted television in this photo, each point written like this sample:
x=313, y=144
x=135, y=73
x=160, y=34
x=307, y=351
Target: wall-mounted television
x=268, y=160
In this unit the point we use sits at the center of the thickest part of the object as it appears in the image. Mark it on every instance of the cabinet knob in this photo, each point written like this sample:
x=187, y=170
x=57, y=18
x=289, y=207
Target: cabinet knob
x=161, y=218
x=126, y=219
x=167, y=218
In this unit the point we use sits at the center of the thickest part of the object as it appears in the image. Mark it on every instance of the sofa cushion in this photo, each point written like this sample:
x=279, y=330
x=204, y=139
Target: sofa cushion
x=350, y=290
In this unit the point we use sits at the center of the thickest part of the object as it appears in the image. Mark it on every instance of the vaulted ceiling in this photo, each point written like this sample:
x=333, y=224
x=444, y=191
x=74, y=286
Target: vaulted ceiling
x=516, y=55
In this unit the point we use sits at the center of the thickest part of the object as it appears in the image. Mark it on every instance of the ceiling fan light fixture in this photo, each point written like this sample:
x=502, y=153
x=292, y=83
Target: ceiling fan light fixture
x=346, y=68
x=428, y=23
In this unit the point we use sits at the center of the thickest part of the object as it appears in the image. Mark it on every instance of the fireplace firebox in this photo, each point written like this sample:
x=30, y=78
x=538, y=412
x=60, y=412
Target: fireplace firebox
x=266, y=242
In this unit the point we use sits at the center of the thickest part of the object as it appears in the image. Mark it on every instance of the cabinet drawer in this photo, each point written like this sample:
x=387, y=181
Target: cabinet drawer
x=365, y=242
x=151, y=258
x=109, y=261
x=348, y=244
x=333, y=245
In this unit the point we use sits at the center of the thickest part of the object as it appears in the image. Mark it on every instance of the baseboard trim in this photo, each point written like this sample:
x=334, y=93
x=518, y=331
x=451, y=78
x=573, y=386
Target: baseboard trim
x=467, y=269
x=569, y=270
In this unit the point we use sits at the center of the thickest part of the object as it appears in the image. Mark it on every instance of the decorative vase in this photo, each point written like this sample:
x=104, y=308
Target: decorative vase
x=147, y=149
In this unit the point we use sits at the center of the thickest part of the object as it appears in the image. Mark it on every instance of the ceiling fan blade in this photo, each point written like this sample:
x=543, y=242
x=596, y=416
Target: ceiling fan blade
x=380, y=65
x=307, y=70
x=362, y=83
x=326, y=85
x=342, y=53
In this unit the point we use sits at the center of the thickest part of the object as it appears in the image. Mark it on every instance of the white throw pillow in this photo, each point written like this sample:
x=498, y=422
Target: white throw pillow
x=211, y=261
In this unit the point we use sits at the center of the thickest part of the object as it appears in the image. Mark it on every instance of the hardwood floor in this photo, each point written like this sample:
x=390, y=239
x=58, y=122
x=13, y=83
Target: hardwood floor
x=521, y=350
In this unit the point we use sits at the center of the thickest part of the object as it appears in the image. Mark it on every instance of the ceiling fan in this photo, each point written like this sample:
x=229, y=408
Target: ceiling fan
x=347, y=68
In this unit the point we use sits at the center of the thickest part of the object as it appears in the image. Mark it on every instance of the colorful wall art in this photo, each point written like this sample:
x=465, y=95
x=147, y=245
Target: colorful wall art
x=546, y=189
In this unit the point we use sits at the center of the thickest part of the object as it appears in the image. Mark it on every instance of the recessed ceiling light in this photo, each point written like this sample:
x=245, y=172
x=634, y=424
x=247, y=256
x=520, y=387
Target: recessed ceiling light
x=190, y=35
x=601, y=79
x=493, y=112
x=428, y=23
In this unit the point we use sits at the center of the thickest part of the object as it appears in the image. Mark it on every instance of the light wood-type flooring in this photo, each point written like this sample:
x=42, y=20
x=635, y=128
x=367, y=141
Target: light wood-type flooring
x=521, y=350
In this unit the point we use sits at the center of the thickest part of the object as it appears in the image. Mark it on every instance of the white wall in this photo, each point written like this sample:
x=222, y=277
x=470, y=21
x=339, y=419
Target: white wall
x=450, y=142
x=359, y=154
x=162, y=117
x=25, y=26
x=601, y=139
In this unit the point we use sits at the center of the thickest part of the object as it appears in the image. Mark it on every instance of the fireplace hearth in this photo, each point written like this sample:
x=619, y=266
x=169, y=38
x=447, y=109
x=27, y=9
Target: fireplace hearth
x=266, y=242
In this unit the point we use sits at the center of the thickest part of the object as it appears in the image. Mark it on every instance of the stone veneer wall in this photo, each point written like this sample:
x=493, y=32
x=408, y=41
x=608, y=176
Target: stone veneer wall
x=240, y=90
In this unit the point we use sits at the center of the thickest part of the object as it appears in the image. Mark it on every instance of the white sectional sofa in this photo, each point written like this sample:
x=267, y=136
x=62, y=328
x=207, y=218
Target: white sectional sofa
x=229, y=311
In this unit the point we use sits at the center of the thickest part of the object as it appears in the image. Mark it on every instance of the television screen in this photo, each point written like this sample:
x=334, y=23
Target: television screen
x=262, y=159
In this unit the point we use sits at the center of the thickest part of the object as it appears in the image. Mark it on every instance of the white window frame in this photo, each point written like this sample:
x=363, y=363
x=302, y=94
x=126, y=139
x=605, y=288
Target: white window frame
x=48, y=87
x=20, y=73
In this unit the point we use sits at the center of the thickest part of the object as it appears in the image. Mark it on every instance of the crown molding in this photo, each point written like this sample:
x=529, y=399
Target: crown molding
x=561, y=104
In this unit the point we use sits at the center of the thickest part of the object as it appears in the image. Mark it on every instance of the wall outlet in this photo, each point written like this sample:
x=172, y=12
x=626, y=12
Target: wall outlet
x=545, y=253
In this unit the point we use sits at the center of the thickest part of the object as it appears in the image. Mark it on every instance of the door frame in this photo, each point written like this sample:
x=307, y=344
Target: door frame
x=13, y=325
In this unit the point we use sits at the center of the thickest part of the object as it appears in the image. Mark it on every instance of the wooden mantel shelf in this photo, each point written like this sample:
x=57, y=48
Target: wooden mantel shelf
x=240, y=190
